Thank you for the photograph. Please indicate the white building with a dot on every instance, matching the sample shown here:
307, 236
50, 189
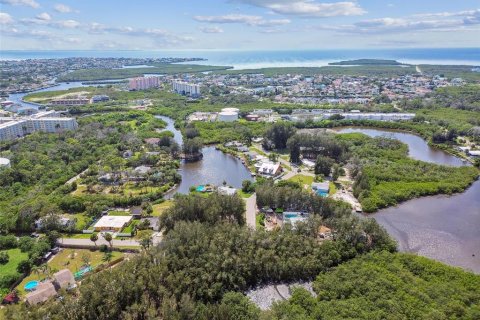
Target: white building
112, 223
11, 128
143, 83
4, 163
186, 89
227, 191
270, 169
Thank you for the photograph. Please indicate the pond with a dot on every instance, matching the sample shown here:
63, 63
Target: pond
215, 167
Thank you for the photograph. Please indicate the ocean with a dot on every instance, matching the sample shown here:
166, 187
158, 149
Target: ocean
243, 59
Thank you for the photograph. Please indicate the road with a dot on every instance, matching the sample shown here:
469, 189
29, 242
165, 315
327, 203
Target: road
156, 238
251, 207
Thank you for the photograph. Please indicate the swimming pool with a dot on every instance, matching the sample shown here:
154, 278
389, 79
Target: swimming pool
200, 189
31, 285
321, 193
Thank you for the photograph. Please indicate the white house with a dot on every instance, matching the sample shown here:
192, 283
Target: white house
270, 169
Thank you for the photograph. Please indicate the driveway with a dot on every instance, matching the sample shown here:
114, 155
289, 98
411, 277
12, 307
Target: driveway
251, 211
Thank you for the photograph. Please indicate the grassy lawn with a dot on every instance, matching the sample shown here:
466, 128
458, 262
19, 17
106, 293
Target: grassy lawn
333, 188
142, 233
302, 179
82, 220
15, 256
118, 213
77, 235
244, 194
130, 227
260, 152
69, 259
259, 218
159, 209
81, 190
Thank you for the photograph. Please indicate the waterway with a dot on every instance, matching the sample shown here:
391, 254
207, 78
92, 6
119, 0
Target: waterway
417, 147
444, 228
215, 167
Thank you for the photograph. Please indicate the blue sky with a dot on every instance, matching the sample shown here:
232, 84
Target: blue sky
238, 24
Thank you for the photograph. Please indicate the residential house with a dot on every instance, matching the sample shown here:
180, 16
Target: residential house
42, 293
270, 169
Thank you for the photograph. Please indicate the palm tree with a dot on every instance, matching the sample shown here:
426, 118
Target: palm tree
108, 237
94, 238
107, 256
36, 270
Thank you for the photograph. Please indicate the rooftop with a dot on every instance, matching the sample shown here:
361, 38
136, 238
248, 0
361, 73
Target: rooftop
114, 222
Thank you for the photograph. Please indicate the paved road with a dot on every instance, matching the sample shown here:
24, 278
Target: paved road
157, 238
251, 207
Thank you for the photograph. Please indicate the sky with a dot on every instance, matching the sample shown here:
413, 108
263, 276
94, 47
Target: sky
237, 24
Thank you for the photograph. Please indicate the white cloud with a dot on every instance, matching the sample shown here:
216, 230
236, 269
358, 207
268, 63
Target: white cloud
44, 16
212, 29
62, 8
425, 22
5, 18
309, 8
70, 24
242, 18
29, 3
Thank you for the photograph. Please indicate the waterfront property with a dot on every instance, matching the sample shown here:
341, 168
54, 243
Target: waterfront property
225, 190
269, 169
112, 223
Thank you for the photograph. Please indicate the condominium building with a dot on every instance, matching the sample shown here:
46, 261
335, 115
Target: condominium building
41, 122
80, 101
186, 89
143, 83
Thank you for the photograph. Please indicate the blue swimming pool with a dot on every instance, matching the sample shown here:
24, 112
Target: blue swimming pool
322, 193
200, 188
31, 285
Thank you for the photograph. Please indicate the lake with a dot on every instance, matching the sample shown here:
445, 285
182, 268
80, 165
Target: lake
215, 167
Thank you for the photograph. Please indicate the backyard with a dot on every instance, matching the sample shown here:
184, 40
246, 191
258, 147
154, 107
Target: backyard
72, 259
15, 257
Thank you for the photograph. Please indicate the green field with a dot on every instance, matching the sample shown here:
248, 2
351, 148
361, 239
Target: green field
302, 179
159, 209
16, 256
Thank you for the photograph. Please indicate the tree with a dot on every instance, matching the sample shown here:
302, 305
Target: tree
146, 240
278, 134
248, 186
4, 258
24, 266
108, 237
94, 238
323, 165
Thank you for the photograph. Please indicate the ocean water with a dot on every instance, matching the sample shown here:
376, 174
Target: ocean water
242, 59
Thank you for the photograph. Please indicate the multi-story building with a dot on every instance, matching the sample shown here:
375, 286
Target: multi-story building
12, 128
186, 89
80, 101
143, 83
